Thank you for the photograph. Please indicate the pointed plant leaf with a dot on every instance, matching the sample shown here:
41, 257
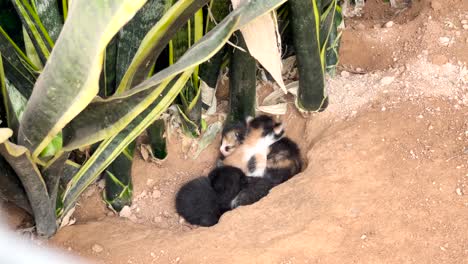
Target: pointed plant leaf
49, 14
70, 78
90, 126
20, 160
107, 84
11, 189
132, 34
31, 50
156, 40
52, 174
118, 177
18, 68
36, 30
110, 148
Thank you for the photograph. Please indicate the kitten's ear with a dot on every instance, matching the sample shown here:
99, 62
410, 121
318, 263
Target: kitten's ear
278, 128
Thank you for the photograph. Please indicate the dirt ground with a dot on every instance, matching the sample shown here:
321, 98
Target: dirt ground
387, 165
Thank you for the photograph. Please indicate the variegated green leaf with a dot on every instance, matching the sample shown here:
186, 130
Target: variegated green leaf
156, 40
110, 148
70, 78
36, 30
18, 68
132, 34
21, 161
89, 126
48, 13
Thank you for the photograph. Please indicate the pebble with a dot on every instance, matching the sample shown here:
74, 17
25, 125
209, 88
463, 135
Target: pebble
125, 212
387, 80
389, 24
464, 22
363, 237
345, 74
383, 108
157, 219
102, 184
465, 26
444, 41
459, 191
150, 182
97, 248
156, 194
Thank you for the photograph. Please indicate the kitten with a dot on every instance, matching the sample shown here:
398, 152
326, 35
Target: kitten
203, 200
283, 159
251, 155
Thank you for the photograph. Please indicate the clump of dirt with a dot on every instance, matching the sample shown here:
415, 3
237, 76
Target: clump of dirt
387, 176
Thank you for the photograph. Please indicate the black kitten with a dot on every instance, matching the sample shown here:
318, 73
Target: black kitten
254, 189
227, 182
203, 200
197, 202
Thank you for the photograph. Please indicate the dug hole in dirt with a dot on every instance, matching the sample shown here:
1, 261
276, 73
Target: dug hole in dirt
387, 165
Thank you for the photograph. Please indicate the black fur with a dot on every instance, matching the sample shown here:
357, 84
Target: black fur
285, 148
255, 189
265, 122
241, 127
197, 202
227, 182
252, 164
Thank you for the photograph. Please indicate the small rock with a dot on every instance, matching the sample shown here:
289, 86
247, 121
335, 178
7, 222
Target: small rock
465, 26
377, 26
150, 182
345, 74
445, 41
181, 220
97, 248
383, 108
389, 24
387, 80
464, 21
359, 69
110, 213
101, 184
177, 259
363, 237
152, 255
156, 194
459, 191
126, 212
157, 219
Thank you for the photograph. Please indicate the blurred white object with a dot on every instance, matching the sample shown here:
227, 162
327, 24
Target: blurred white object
17, 250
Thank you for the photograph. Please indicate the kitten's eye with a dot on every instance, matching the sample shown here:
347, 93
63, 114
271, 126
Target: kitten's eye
227, 148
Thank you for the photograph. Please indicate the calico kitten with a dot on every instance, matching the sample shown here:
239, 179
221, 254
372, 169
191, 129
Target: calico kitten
251, 155
283, 159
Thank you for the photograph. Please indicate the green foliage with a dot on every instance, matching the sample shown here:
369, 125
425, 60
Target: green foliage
315, 38
63, 112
